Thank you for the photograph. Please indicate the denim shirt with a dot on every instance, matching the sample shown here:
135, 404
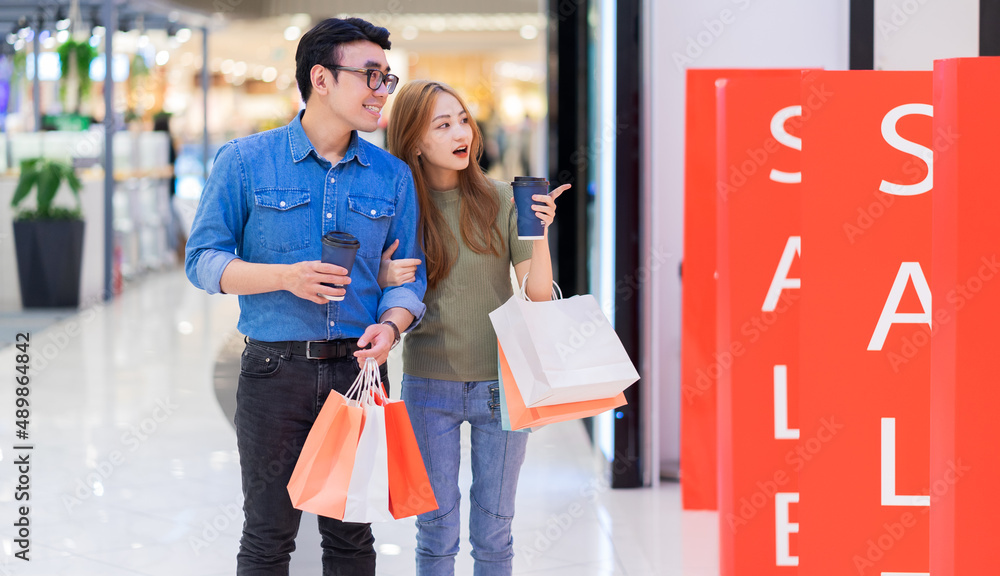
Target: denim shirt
270, 199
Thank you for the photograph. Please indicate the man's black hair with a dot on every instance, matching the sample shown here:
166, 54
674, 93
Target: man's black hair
321, 45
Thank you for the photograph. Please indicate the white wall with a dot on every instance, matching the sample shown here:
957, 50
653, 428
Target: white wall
911, 34
733, 34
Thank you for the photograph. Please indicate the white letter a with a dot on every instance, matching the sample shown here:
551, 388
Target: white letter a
907, 271
781, 280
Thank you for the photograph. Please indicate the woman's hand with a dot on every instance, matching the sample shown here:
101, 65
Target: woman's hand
546, 211
396, 272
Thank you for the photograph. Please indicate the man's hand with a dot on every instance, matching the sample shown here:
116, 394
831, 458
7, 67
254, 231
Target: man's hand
304, 280
381, 337
396, 272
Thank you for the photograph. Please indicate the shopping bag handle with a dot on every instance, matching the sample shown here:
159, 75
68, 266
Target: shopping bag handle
556, 290
368, 381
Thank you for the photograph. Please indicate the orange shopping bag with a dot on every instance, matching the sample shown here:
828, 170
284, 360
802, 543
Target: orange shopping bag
323, 471
410, 491
522, 417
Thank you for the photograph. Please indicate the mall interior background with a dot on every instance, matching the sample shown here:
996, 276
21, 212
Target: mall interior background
537, 77
619, 99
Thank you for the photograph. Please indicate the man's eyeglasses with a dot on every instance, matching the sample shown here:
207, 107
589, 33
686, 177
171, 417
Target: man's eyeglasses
375, 77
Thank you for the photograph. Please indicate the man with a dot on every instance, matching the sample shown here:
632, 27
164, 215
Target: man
269, 200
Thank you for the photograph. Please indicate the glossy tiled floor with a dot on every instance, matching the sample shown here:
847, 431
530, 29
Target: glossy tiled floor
134, 467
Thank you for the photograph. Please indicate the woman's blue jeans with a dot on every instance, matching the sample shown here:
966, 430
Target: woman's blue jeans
437, 409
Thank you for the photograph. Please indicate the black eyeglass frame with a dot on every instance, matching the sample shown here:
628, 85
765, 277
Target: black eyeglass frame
390, 80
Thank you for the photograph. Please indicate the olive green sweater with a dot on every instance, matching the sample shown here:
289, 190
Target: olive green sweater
455, 340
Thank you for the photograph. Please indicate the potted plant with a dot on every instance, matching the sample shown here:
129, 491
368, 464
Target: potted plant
75, 57
48, 239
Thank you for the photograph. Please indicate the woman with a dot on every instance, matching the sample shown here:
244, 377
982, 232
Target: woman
469, 235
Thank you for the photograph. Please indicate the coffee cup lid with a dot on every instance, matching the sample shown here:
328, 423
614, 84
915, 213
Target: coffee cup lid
528, 179
345, 239
533, 182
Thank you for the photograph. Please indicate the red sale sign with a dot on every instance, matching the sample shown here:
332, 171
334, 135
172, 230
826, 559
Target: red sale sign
965, 399
701, 363
865, 324
759, 245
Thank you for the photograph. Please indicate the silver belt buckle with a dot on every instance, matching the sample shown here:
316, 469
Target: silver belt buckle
309, 355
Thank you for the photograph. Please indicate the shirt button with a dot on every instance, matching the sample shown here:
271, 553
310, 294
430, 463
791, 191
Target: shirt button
282, 203
332, 323
332, 180
373, 212
329, 214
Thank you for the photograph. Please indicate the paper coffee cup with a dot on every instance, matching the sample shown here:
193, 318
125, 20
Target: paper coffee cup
339, 248
529, 225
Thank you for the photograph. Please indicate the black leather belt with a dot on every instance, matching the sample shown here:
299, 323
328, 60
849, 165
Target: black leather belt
314, 349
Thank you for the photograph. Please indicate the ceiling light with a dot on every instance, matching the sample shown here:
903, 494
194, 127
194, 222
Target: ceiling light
183, 35
529, 32
410, 33
292, 33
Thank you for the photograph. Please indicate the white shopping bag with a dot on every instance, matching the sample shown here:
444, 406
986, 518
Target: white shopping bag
368, 490
562, 351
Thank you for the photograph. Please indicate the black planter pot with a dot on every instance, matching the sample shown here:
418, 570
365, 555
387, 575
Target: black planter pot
49, 257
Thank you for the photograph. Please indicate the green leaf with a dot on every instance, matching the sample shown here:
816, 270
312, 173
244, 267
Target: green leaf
24, 185
74, 182
48, 185
85, 54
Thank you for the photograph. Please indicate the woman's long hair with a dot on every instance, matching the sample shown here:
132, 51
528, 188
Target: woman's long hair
411, 117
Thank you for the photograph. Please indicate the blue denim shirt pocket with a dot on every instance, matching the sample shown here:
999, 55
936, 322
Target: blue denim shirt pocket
284, 220
368, 219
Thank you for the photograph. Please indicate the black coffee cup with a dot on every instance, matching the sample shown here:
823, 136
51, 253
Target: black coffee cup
529, 225
339, 248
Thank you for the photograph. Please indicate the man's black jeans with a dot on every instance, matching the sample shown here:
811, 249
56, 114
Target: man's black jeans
279, 398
